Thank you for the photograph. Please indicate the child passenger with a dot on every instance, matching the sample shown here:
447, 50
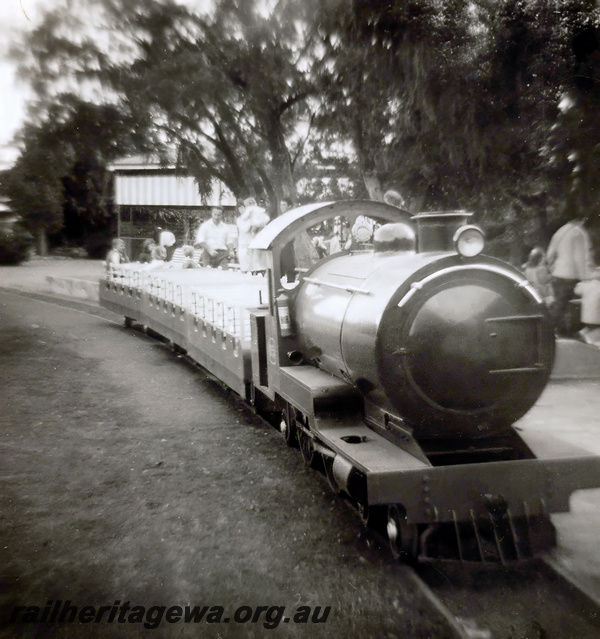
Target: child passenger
188, 255
537, 272
159, 256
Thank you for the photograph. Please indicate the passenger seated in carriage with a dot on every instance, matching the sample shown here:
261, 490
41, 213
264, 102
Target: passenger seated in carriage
188, 257
159, 257
145, 256
117, 254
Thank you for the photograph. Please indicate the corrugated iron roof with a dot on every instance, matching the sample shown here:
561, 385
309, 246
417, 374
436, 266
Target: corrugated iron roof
143, 181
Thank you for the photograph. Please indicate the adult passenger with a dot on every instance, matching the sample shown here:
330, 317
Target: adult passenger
252, 219
570, 260
117, 254
215, 239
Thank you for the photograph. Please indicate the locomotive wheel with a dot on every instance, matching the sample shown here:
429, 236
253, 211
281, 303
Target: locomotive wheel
373, 517
307, 448
331, 480
364, 512
403, 537
288, 427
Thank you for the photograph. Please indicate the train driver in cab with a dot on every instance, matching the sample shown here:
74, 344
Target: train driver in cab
396, 237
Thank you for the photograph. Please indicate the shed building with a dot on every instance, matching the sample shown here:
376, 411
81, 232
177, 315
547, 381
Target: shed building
150, 193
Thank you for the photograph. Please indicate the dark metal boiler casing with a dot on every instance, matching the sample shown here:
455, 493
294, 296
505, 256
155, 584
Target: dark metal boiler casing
451, 345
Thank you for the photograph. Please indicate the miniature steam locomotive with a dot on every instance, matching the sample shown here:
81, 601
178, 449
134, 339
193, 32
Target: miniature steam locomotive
401, 372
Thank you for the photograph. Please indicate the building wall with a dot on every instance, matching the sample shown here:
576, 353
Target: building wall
156, 189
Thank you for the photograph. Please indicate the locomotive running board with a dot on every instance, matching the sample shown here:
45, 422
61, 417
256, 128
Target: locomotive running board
310, 389
457, 492
514, 497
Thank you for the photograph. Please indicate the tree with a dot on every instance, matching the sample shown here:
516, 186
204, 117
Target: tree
34, 186
225, 89
388, 72
452, 103
60, 184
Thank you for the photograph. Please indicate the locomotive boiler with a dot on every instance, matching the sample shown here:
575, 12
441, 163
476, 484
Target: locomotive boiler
454, 345
398, 369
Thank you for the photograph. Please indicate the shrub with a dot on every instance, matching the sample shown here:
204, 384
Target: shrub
98, 243
15, 243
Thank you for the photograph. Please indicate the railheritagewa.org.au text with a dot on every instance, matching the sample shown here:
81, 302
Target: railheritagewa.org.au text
65, 612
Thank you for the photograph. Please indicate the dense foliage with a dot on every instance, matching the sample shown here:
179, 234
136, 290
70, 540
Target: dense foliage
481, 104
15, 243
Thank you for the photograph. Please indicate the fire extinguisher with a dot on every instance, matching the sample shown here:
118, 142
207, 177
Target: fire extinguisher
283, 311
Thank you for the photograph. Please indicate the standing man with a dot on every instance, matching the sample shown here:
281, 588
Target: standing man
252, 219
570, 260
215, 239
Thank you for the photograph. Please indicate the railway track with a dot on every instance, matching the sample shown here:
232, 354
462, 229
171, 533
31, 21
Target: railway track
529, 601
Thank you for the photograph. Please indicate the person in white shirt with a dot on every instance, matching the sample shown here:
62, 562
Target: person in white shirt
253, 218
590, 308
570, 261
167, 241
215, 239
